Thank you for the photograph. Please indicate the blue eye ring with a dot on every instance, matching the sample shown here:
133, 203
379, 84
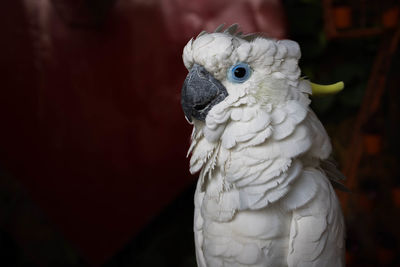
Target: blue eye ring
239, 73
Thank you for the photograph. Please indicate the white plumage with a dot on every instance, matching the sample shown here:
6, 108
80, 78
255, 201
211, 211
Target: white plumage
262, 198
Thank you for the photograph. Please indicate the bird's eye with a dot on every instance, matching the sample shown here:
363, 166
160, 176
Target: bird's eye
239, 73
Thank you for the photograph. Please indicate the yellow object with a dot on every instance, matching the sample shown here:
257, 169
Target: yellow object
318, 89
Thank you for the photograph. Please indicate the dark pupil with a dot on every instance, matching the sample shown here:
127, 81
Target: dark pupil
240, 72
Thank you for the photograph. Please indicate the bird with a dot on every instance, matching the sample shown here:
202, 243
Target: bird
264, 195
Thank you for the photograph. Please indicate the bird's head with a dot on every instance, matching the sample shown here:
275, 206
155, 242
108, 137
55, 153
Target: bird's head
232, 76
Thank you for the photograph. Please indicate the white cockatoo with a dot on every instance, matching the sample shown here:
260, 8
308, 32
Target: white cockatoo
263, 196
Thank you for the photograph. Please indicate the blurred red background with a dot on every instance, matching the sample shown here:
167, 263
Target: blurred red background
90, 107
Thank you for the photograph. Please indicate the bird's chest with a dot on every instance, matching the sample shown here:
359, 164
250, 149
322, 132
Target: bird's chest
254, 238
233, 232
266, 224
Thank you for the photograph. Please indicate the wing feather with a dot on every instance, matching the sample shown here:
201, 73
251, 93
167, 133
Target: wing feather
317, 231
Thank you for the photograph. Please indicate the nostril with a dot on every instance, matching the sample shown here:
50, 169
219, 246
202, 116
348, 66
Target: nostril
202, 72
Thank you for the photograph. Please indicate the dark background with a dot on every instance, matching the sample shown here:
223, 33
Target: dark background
93, 167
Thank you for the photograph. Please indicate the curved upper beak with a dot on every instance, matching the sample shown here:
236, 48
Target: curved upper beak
200, 92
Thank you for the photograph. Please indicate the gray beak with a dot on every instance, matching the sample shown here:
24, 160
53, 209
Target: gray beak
200, 92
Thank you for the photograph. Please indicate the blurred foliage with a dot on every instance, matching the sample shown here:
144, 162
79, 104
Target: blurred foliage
328, 61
